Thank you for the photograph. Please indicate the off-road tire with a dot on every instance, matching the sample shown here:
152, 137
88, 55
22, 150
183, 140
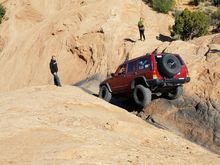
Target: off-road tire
174, 94
105, 94
169, 65
142, 95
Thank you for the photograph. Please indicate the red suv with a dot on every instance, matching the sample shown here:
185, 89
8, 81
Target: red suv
159, 74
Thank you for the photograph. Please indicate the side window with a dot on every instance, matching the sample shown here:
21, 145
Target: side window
122, 70
143, 64
131, 67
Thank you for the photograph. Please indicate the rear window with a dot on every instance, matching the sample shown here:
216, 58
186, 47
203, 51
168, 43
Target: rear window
143, 64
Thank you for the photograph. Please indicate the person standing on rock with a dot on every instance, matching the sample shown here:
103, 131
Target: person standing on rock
141, 28
54, 71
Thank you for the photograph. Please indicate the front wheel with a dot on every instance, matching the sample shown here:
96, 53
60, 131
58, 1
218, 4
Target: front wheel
142, 95
174, 94
105, 94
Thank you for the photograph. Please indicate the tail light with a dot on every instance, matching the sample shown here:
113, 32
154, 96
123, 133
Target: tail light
187, 73
155, 76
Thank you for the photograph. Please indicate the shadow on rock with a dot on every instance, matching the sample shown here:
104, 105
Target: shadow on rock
126, 103
129, 104
164, 38
129, 40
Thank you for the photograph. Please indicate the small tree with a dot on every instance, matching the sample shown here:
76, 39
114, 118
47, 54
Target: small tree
215, 20
216, 2
2, 12
163, 6
196, 2
190, 24
147, 1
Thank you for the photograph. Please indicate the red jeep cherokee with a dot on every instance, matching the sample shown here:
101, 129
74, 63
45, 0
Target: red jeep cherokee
160, 74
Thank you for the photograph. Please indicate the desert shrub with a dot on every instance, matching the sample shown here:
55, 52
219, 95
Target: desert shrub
163, 6
215, 20
196, 2
176, 12
216, 2
2, 12
190, 24
147, 1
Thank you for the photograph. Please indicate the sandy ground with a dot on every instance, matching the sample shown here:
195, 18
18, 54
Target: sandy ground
49, 125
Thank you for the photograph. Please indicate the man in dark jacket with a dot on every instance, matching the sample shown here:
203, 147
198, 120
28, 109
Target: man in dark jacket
54, 71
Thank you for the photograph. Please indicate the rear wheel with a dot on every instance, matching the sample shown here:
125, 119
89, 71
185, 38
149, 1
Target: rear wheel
174, 94
105, 94
142, 95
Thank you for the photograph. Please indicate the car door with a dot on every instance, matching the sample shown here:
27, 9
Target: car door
118, 81
130, 75
123, 80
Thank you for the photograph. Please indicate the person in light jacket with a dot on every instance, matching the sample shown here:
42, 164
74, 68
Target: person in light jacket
141, 28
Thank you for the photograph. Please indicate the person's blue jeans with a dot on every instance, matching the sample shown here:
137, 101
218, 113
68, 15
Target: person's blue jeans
142, 35
56, 80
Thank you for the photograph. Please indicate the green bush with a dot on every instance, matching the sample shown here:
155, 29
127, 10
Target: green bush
163, 6
215, 20
190, 24
216, 2
147, 1
196, 2
2, 12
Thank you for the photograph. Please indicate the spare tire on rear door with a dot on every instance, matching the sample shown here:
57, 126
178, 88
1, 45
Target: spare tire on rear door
169, 65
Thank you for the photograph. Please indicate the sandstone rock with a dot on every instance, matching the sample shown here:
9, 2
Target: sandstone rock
49, 125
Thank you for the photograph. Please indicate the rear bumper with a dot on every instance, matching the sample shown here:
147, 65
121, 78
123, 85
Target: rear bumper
168, 82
